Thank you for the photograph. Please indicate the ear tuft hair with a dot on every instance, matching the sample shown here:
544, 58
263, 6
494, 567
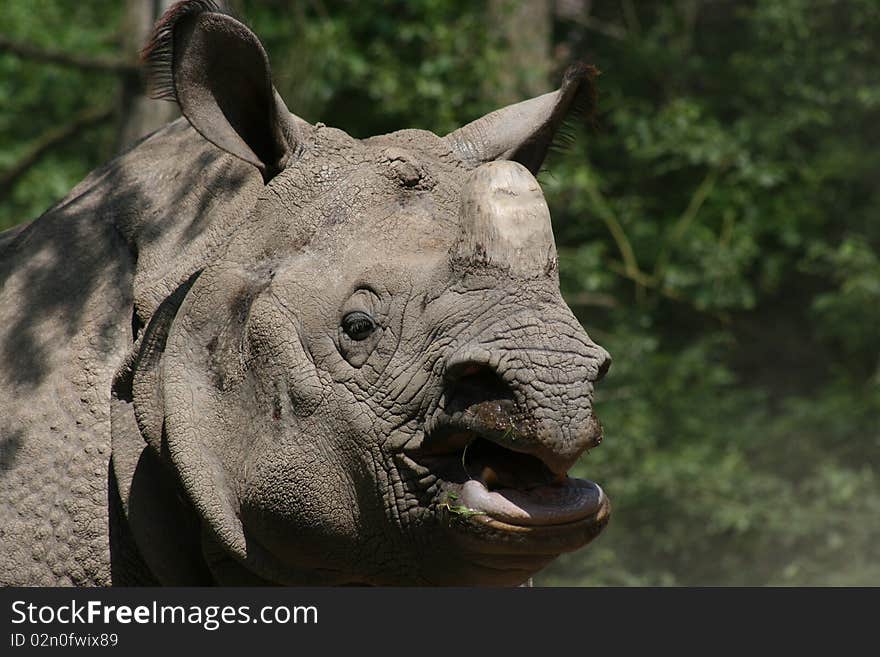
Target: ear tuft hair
157, 57
575, 104
583, 76
525, 131
582, 110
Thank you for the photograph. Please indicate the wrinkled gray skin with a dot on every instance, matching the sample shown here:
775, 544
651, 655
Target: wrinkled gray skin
181, 311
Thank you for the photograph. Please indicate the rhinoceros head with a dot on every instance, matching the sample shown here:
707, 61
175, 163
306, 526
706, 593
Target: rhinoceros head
376, 380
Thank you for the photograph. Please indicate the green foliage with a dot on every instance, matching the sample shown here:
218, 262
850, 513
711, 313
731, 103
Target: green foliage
718, 232
36, 97
733, 189
385, 66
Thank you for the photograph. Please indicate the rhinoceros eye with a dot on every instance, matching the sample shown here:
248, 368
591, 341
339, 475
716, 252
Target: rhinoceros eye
358, 325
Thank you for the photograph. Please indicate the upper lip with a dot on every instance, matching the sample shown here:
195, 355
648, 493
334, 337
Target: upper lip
497, 420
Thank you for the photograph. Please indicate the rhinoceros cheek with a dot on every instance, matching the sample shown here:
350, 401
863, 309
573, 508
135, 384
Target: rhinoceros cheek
296, 502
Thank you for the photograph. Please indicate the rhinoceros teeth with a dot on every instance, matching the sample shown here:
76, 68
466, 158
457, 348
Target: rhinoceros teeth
489, 477
499, 467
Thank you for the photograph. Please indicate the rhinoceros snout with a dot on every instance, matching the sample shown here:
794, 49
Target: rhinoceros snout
536, 401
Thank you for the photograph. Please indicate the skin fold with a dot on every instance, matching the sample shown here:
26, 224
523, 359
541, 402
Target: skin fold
252, 350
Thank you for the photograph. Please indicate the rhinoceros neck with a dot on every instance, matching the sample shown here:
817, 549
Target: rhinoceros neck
69, 281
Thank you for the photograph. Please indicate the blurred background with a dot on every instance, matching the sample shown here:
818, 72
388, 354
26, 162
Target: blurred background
718, 225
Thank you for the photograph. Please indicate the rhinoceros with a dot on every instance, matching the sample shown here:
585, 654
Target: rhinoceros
253, 350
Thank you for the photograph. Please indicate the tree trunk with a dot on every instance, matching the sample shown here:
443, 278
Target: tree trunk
525, 27
140, 115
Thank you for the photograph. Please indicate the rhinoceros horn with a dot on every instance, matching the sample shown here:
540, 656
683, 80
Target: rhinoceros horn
505, 222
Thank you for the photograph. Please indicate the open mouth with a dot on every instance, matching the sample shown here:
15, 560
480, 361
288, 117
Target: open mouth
483, 479
497, 489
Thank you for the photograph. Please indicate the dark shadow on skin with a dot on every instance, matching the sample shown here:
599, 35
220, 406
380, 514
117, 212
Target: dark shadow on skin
233, 179
10, 444
156, 503
127, 565
65, 255
78, 246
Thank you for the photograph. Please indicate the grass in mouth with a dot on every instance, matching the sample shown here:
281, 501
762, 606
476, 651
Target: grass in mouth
459, 510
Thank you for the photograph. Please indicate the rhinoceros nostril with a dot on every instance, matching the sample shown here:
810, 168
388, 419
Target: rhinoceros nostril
470, 383
594, 432
604, 366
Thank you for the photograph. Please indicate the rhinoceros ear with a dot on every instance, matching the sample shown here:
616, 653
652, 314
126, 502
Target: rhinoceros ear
524, 132
216, 69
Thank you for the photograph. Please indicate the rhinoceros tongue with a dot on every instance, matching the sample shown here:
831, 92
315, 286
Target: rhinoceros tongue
552, 504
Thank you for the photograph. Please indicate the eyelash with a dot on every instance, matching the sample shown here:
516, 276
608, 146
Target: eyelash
358, 325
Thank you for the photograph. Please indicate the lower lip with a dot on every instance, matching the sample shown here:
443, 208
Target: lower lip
483, 537
544, 506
